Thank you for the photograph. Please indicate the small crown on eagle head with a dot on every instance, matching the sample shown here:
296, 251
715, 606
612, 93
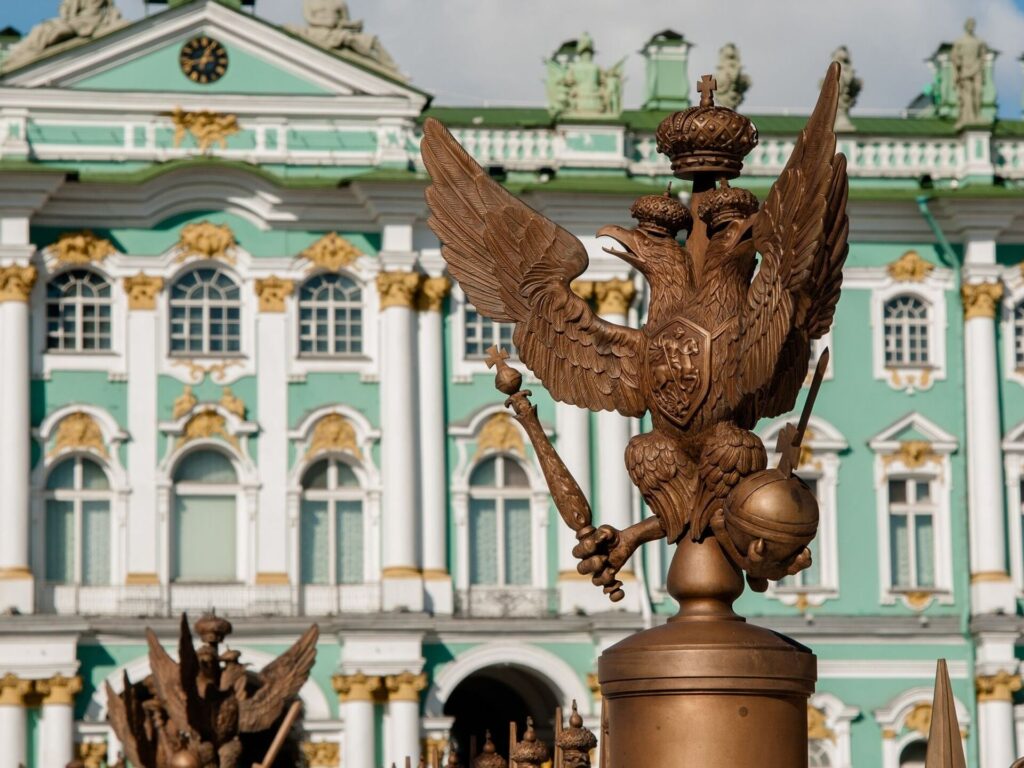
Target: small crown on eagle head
212, 628
706, 138
662, 214
725, 204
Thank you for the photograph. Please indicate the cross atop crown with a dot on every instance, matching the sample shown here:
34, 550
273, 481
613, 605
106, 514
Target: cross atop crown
707, 87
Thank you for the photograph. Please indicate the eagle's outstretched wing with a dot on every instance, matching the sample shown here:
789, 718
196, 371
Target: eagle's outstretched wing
515, 265
176, 682
128, 720
281, 680
801, 234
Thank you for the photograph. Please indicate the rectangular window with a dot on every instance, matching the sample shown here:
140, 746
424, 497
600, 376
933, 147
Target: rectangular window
483, 542
482, 334
911, 533
203, 539
314, 543
350, 541
60, 541
518, 566
95, 543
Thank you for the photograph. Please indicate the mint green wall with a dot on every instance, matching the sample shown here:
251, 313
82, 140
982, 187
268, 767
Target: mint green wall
160, 71
207, 391
105, 135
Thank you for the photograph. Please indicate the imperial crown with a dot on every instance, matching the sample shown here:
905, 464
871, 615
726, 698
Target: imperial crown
725, 204
662, 214
706, 138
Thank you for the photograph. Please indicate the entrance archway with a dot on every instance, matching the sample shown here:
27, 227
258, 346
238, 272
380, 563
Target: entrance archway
491, 698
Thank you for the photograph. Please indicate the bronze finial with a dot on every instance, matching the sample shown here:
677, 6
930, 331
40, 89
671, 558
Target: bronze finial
945, 748
707, 85
489, 757
575, 742
530, 750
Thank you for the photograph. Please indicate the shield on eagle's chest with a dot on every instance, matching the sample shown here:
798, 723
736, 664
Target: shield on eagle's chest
678, 369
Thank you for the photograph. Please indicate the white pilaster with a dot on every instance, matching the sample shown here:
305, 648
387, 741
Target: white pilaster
13, 735
437, 581
992, 590
401, 574
356, 701
404, 717
57, 721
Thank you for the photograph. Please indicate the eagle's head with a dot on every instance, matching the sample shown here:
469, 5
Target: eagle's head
644, 249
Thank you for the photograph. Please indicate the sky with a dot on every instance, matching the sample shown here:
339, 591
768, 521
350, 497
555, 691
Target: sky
474, 52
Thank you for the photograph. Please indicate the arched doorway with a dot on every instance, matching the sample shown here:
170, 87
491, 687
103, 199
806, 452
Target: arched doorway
491, 698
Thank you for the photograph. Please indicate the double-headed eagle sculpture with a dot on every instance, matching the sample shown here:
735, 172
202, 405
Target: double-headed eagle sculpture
727, 341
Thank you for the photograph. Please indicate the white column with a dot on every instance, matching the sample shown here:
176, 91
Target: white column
13, 724
144, 554
271, 568
404, 717
56, 725
991, 588
437, 582
401, 576
356, 696
16, 582
996, 682
572, 440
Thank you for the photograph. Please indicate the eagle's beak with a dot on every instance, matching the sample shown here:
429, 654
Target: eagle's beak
627, 239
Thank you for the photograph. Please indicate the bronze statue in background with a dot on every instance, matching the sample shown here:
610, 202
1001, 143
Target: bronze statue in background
206, 710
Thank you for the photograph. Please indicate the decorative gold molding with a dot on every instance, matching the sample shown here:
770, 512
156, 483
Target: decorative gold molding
583, 288
141, 580
914, 454
998, 687
918, 600
183, 403
206, 240
357, 687
82, 247
272, 292
13, 690
217, 371
614, 296
981, 299
401, 572
58, 690
331, 252
206, 126
142, 290
15, 573
93, 754
334, 432
321, 754
232, 403
909, 268
594, 685
405, 686
432, 294
79, 431
817, 725
272, 579
990, 576
436, 574
500, 433
888, 733
16, 282
207, 424
919, 719
398, 289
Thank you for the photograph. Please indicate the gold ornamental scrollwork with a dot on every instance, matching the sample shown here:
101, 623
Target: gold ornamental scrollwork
231, 403
333, 433
207, 240
909, 268
16, 282
817, 725
205, 425
79, 431
14, 689
919, 719
357, 687
198, 372
207, 127
405, 686
58, 690
981, 299
913, 454
500, 434
998, 687
142, 290
614, 297
398, 289
82, 247
331, 252
272, 292
321, 754
432, 294
183, 403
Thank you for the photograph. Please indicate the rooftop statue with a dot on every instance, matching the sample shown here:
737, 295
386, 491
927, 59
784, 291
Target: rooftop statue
206, 710
329, 25
849, 88
722, 348
733, 81
968, 57
576, 85
78, 20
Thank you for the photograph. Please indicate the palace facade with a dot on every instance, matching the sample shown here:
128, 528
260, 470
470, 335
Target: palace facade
234, 375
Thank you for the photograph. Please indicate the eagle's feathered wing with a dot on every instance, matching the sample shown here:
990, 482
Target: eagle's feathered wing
515, 265
280, 681
129, 721
801, 235
176, 683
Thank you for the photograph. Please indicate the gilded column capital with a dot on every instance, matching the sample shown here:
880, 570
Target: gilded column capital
405, 686
13, 690
398, 289
357, 687
16, 282
322, 754
614, 296
981, 299
594, 685
432, 294
998, 687
93, 754
583, 288
272, 291
142, 290
59, 690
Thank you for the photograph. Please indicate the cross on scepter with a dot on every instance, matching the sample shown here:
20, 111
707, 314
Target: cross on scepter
707, 85
507, 379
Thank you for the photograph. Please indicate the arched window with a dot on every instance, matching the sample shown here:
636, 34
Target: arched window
912, 511
913, 755
78, 309
206, 308
331, 543
330, 316
78, 523
818, 755
499, 523
1018, 336
906, 332
482, 334
203, 527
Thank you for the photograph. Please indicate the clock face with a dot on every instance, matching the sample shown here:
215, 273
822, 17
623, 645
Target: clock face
203, 60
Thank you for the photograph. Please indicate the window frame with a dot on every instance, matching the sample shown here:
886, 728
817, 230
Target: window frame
912, 510
500, 494
902, 329
465, 367
205, 305
1013, 296
77, 274
78, 495
333, 494
333, 308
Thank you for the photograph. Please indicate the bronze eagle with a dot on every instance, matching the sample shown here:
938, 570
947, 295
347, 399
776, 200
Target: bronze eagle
727, 339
